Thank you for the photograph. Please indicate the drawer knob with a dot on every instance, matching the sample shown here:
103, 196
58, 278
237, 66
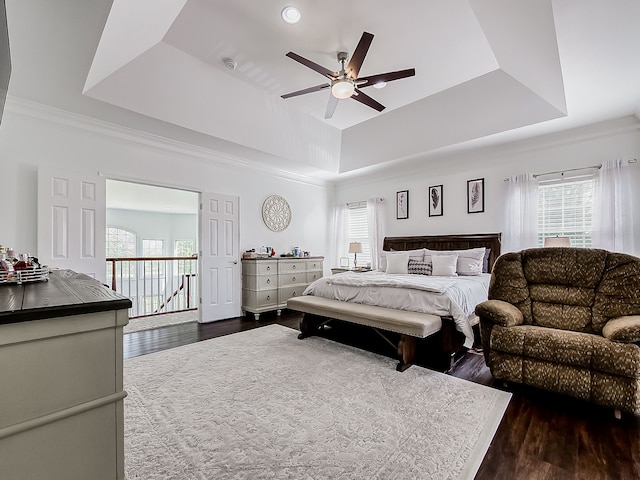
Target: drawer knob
294, 294
294, 267
268, 280
294, 279
268, 267
268, 297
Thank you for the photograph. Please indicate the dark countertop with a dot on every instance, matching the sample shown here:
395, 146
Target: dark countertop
65, 293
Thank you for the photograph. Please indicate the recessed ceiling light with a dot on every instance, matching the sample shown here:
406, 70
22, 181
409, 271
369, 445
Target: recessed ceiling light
380, 85
291, 14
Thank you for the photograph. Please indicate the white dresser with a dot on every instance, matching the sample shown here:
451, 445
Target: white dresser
267, 283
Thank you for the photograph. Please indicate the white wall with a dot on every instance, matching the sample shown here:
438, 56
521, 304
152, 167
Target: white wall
48, 137
573, 149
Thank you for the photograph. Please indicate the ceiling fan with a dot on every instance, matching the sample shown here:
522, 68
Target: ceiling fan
346, 83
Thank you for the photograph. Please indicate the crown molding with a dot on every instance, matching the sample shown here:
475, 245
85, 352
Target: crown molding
402, 168
89, 124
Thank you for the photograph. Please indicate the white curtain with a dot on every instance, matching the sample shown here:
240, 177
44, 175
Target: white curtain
340, 230
521, 213
612, 211
375, 217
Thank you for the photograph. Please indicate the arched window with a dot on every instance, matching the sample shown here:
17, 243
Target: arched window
121, 243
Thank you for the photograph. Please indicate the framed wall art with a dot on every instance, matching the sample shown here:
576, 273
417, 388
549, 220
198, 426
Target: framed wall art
435, 201
475, 195
402, 204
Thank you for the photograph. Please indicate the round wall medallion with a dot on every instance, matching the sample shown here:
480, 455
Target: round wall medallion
276, 213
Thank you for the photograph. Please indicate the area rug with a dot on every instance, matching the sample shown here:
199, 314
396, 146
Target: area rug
262, 404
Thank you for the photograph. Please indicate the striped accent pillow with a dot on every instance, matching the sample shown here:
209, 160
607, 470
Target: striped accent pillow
419, 268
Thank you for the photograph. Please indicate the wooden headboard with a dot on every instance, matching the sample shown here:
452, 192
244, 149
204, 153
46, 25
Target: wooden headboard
448, 242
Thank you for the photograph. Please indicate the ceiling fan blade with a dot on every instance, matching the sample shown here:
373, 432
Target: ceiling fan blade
353, 67
331, 106
385, 77
368, 101
312, 65
317, 88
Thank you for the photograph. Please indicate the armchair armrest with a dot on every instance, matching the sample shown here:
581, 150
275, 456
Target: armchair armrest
500, 313
623, 329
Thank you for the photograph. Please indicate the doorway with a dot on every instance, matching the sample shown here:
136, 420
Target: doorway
151, 250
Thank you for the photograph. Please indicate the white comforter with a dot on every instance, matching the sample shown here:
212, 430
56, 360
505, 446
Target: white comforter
443, 296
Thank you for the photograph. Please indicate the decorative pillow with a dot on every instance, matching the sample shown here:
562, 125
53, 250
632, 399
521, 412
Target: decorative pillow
397, 262
417, 255
444, 265
485, 261
419, 268
469, 261
468, 266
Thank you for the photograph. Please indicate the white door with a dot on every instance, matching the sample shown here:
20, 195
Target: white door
219, 266
71, 221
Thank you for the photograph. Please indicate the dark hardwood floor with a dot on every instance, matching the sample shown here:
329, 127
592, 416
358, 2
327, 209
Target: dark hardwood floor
542, 435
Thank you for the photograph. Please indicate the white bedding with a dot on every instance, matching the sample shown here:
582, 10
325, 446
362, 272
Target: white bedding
443, 296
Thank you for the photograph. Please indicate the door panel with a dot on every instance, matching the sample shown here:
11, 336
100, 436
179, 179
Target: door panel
71, 221
219, 267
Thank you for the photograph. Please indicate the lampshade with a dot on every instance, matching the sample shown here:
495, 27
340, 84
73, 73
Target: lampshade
355, 247
342, 88
557, 242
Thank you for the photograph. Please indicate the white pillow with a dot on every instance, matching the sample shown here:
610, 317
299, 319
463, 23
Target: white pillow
469, 261
444, 265
417, 255
398, 262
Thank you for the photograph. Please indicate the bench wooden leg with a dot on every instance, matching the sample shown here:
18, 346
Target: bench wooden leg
310, 324
406, 351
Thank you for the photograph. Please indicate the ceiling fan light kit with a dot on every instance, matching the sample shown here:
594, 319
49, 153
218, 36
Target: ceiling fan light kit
342, 88
346, 83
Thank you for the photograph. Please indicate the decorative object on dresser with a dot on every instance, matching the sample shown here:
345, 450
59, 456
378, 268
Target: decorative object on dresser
355, 248
267, 283
276, 213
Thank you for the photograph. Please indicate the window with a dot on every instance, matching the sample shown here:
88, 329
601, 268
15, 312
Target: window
565, 209
359, 231
153, 248
185, 248
120, 244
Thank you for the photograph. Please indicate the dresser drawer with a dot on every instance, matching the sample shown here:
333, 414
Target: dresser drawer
264, 267
292, 266
314, 265
259, 298
260, 282
287, 279
313, 276
286, 293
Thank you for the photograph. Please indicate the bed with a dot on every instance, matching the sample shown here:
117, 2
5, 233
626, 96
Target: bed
408, 311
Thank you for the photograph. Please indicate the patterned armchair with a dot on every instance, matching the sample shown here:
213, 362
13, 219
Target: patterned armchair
566, 320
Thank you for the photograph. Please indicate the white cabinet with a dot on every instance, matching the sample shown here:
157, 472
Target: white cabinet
267, 283
61, 407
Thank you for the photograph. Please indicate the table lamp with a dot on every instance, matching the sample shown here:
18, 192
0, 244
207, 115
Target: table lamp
557, 241
355, 248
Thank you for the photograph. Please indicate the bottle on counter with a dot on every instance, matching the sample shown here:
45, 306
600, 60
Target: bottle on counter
6, 267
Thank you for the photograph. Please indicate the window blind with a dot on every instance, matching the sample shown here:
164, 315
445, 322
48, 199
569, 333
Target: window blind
565, 209
359, 232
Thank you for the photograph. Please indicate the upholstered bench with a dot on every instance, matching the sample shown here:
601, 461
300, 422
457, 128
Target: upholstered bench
410, 325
